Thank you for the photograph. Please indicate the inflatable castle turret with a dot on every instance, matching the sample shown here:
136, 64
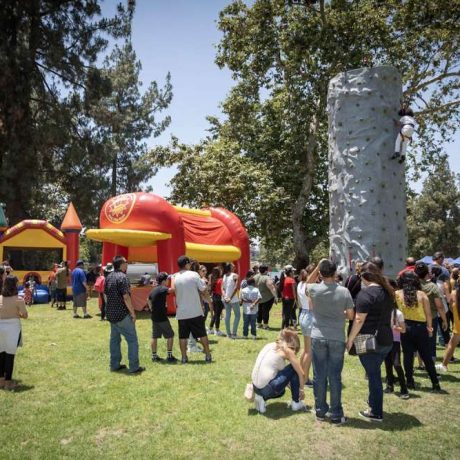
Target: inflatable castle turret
3, 221
71, 227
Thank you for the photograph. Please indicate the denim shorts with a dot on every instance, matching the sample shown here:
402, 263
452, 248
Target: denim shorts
306, 322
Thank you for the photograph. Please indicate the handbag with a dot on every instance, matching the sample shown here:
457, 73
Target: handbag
367, 343
249, 392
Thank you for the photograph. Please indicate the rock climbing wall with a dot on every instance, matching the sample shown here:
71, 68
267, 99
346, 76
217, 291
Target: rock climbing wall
366, 187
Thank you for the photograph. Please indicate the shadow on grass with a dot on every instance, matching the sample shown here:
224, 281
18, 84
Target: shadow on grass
21, 388
448, 378
277, 410
396, 421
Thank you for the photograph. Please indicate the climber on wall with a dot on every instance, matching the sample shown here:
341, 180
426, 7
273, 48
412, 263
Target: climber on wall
406, 126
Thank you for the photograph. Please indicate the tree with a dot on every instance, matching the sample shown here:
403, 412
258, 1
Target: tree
213, 174
48, 55
126, 118
282, 56
434, 215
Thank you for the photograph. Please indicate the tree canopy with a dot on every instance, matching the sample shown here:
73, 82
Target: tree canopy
72, 124
282, 56
434, 215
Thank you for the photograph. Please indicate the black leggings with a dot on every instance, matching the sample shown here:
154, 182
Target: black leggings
416, 339
263, 315
218, 307
6, 365
393, 359
288, 313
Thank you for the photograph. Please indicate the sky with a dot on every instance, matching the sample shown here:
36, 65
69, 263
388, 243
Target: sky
180, 37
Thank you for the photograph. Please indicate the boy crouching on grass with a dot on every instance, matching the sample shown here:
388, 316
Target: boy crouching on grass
161, 326
250, 297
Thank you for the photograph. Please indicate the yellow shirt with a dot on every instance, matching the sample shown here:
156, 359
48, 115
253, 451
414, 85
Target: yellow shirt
415, 313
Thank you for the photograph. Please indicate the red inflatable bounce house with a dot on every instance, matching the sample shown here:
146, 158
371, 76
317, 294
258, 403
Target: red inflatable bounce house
144, 227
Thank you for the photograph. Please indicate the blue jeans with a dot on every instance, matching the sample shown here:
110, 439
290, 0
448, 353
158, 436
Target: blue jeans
235, 306
249, 320
328, 356
127, 329
277, 386
372, 363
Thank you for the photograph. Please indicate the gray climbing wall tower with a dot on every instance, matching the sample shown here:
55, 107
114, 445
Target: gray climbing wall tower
366, 188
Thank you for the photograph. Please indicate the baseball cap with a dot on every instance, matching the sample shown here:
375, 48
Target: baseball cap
79, 262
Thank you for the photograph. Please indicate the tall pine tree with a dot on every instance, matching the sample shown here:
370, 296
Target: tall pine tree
434, 215
48, 55
126, 118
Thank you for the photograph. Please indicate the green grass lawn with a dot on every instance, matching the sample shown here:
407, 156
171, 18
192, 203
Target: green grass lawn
71, 406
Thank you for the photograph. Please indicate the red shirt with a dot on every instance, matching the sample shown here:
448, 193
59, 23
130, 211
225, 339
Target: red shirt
218, 287
288, 288
409, 268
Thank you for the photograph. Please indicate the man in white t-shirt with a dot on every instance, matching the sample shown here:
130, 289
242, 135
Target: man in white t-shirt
187, 286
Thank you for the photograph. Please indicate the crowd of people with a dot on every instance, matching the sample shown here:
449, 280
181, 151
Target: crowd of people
391, 322
386, 317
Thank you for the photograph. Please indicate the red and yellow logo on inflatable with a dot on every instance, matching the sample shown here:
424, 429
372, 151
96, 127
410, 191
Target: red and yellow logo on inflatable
119, 208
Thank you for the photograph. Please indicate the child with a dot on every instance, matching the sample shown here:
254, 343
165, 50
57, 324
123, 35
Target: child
28, 298
160, 322
394, 357
250, 297
406, 130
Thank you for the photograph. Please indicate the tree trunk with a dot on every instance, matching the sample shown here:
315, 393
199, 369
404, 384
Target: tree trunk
113, 189
300, 238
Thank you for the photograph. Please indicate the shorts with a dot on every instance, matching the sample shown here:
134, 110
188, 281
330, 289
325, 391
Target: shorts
306, 322
162, 329
79, 300
194, 326
61, 294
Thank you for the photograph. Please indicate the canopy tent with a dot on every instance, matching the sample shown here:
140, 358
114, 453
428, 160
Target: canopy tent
426, 259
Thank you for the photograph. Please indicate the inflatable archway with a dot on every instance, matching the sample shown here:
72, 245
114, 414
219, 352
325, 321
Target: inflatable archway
144, 227
32, 246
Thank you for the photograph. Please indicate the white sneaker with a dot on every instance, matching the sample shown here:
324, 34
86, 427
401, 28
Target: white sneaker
209, 331
441, 368
194, 349
254, 337
295, 406
219, 333
261, 407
